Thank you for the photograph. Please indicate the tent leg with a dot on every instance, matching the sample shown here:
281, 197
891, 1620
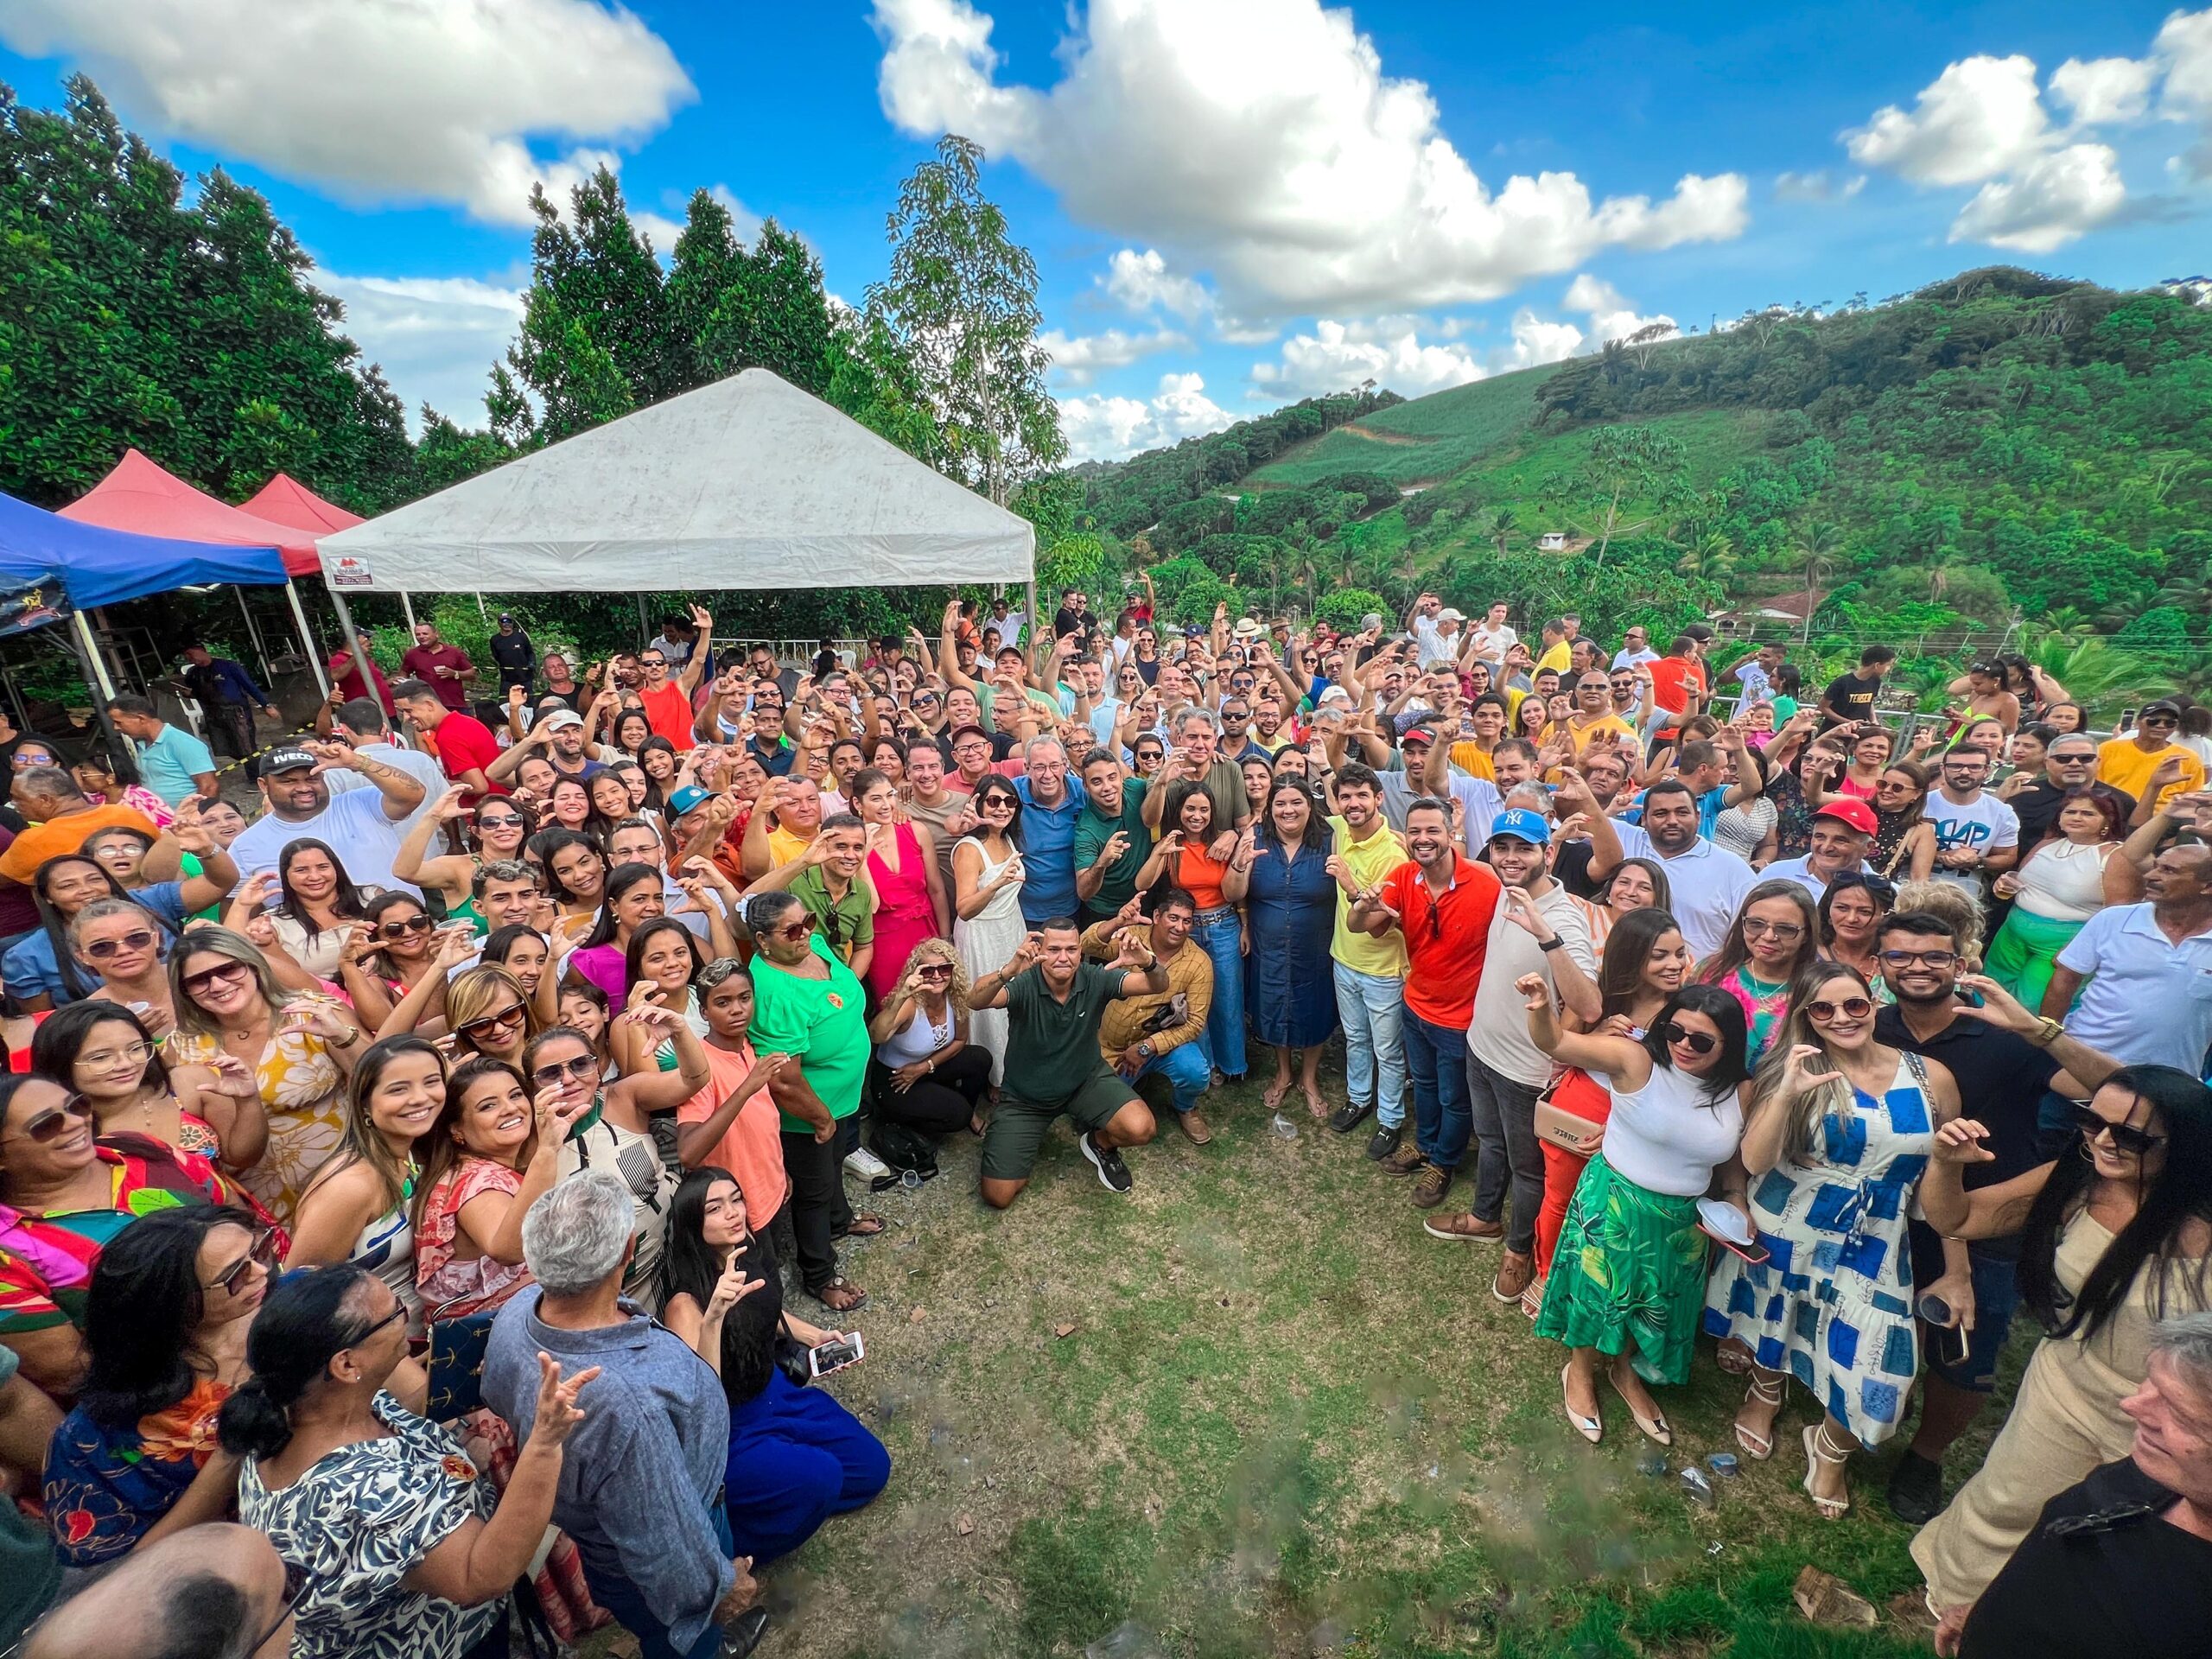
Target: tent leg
307, 637
406, 604
253, 633
96, 675
354, 641
480, 612
1036, 629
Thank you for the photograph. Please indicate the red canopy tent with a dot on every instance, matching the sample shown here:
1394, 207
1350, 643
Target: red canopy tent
145, 497
284, 500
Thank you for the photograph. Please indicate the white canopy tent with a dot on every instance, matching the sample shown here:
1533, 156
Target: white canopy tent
748, 484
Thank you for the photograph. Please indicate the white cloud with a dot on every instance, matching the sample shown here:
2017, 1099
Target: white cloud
1821, 186
1101, 428
1260, 141
1610, 316
2184, 52
436, 337
2047, 203
1338, 356
377, 101
1141, 281
1079, 359
2104, 90
1536, 341
1981, 117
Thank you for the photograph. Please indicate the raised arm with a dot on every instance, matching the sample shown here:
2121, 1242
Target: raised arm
1622, 1063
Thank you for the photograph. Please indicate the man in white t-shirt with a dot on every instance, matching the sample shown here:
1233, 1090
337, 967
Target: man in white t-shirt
361, 825
1636, 650
1707, 882
1537, 929
1976, 834
1492, 638
359, 723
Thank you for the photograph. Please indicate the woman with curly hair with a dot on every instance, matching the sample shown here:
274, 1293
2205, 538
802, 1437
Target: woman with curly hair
925, 1074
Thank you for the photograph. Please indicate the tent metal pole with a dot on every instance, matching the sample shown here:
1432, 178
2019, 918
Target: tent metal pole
353, 640
406, 604
253, 633
307, 637
95, 666
481, 612
1035, 633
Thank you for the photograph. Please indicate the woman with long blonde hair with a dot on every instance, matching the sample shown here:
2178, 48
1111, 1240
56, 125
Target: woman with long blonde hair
925, 1074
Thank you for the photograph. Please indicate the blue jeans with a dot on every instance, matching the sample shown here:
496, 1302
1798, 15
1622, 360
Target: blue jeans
1443, 1111
1373, 1009
1184, 1066
638, 1616
1220, 933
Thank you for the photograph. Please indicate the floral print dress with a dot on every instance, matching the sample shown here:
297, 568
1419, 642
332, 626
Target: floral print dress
305, 1094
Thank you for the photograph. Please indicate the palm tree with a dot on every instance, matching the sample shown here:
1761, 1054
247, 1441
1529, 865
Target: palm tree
2192, 594
1818, 547
2092, 671
1501, 526
1710, 555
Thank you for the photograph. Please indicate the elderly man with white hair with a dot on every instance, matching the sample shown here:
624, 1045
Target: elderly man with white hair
641, 1486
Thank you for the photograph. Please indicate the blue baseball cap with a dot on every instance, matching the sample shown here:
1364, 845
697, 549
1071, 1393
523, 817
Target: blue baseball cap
691, 798
1524, 825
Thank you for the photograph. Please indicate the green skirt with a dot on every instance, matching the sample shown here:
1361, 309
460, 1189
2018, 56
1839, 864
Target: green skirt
2025, 951
1629, 1276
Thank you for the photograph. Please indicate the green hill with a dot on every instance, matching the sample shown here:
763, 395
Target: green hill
1420, 441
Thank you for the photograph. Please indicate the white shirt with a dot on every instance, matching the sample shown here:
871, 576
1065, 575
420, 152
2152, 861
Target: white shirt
354, 827
1800, 870
1009, 627
1984, 824
1438, 648
1498, 1035
415, 764
2148, 1001
1478, 797
1491, 644
1757, 688
1664, 1138
1707, 883
1627, 659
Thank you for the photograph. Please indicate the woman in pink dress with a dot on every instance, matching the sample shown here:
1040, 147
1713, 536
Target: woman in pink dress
909, 890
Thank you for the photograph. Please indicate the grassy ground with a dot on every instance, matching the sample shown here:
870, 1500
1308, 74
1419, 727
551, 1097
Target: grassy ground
1416, 443
1252, 1410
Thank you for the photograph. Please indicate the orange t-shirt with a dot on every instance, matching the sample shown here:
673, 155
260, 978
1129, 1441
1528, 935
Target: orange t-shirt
752, 1148
1200, 876
668, 711
1673, 678
65, 835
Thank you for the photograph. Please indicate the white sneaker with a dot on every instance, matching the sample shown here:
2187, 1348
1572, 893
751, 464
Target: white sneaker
865, 1165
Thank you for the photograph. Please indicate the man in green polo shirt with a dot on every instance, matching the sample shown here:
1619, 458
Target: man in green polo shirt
1111, 843
828, 879
1054, 1000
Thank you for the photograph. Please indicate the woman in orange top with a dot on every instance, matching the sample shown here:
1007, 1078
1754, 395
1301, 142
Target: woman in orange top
1183, 857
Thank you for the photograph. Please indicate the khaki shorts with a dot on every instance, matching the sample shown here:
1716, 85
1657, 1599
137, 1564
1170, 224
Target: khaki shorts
1018, 1126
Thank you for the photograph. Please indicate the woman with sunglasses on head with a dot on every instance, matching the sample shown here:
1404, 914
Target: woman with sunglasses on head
1839, 1131
500, 829
1775, 934
613, 1121
1637, 977
64, 1197
165, 1326
1850, 912
796, 1456
926, 1073
403, 1553
300, 1046
2115, 1235
494, 1150
1627, 1281
106, 1053
988, 928
2070, 877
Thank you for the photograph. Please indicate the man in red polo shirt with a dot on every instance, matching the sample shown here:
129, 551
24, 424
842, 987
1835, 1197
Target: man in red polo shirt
445, 669
668, 701
1442, 902
463, 744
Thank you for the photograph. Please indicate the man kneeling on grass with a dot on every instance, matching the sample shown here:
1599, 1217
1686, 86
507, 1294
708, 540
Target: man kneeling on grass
1052, 1061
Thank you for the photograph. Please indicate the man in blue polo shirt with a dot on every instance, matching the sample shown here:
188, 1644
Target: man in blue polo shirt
1050, 811
172, 762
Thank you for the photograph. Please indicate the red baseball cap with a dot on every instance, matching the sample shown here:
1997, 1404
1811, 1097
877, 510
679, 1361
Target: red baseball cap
1850, 811
1416, 735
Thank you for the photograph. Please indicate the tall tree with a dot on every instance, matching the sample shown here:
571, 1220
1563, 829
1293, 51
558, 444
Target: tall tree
961, 299
774, 314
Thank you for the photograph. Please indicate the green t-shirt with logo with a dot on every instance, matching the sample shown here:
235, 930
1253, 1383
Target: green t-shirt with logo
820, 1023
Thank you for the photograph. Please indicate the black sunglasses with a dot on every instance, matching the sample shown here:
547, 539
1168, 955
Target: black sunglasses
261, 1251
1698, 1042
584, 1065
510, 1015
401, 930
2132, 1141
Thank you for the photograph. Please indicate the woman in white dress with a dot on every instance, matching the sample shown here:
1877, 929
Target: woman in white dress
988, 928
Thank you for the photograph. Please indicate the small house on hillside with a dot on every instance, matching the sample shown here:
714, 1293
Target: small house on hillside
1552, 541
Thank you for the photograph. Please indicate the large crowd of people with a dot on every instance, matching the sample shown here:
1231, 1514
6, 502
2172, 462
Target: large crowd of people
414, 1167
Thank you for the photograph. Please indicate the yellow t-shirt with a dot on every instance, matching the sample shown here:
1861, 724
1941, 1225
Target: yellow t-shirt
1559, 729
1473, 760
2123, 765
1560, 656
786, 847
1369, 862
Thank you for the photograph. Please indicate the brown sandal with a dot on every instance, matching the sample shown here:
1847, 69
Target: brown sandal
865, 1225
842, 1296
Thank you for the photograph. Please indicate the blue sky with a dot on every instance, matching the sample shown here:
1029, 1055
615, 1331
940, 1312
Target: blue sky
1233, 203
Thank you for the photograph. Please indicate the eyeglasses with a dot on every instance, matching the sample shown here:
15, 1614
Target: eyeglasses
584, 1066
397, 1313
1851, 1007
2132, 1141
401, 930
101, 949
510, 1015
1782, 931
229, 974
51, 1125
1698, 1042
129, 1054
1930, 958
261, 1253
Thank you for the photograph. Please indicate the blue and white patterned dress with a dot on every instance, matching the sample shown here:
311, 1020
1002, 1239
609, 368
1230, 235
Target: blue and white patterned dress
1832, 1306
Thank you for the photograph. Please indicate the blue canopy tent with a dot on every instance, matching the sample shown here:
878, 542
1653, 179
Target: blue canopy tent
52, 567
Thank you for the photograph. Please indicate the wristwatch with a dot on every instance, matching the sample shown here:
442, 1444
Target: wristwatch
1554, 942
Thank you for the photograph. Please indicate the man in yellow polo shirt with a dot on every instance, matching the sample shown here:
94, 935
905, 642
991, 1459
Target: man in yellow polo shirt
1593, 717
2128, 761
1371, 972
1557, 653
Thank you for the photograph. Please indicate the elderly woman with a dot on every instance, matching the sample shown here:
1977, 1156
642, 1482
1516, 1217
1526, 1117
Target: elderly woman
925, 1075
807, 1004
392, 1527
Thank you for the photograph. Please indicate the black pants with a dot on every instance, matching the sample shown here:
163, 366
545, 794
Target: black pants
817, 1204
230, 728
942, 1103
